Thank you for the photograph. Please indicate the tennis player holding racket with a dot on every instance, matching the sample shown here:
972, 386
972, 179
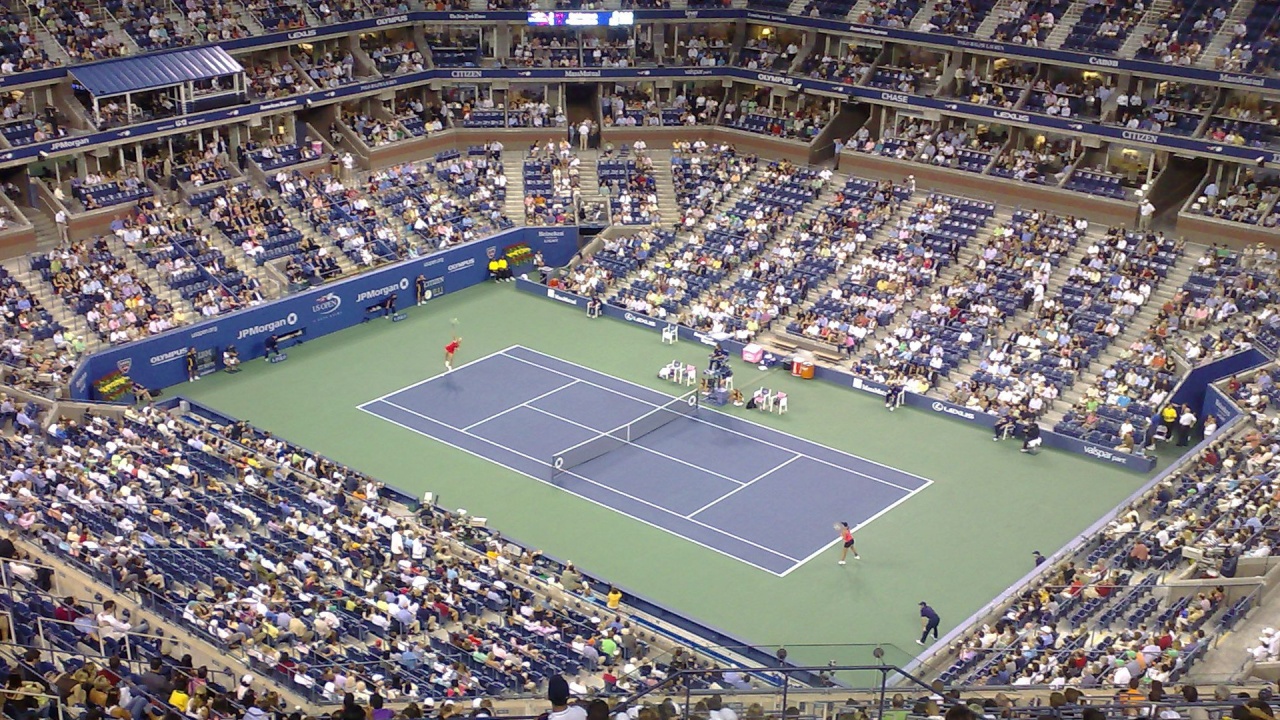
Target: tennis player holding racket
846, 537
452, 347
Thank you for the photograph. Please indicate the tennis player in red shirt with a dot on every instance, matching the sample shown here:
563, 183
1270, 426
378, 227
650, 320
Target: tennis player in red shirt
449, 350
846, 537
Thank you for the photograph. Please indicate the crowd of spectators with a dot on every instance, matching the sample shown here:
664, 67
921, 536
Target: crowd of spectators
1028, 23
1250, 199
626, 177
21, 51
80, 29
149, 24
552, 183
765, 53
349, 594
278, 15
852, 66
395, 57
270, 79
170, 243
703, 51
1003, 87
703, 175
327, 70
95, 283
803, 123
1046, 163
618, 257
214, 21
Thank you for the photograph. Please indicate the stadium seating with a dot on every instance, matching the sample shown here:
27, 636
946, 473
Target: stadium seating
631, 187
923, 240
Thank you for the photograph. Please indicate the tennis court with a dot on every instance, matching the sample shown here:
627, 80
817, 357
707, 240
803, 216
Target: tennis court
759, 495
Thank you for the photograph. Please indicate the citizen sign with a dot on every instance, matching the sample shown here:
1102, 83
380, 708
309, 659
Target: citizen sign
1140, 137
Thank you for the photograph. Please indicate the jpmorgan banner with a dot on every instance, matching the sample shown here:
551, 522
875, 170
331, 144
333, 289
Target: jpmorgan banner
157, 362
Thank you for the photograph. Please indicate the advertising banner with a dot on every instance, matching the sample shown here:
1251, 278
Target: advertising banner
161, 361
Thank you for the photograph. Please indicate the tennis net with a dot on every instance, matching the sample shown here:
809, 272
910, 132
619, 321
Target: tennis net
682, 407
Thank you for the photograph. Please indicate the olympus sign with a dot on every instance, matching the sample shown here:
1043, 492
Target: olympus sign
274, 325
1140, 137
168, 357
947, 409
775, 79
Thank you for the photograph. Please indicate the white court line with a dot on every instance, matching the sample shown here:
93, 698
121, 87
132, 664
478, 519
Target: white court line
411, 386
745, 484
544, 481
695, 418
642, 501
860, 525
735, 481
467, 429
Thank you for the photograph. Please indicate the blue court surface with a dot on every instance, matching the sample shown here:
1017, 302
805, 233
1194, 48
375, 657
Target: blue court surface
758, 495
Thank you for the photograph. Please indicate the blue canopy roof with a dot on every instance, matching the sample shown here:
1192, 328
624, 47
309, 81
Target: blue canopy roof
148, 72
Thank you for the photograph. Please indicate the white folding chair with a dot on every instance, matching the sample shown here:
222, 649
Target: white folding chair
670, 334
670, 370
690, 375
782, 403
